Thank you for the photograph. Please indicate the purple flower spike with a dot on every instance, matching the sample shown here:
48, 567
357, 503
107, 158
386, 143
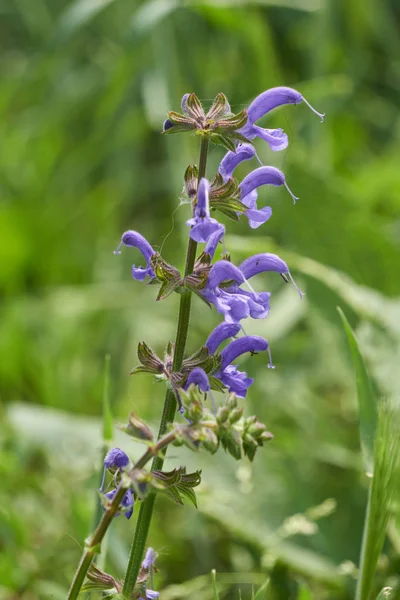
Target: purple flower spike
232, 159
149, 559
203, 226
116, 459
220, 334
214, 240
223, 270
134, 239
127, 502
198, 377
248, 343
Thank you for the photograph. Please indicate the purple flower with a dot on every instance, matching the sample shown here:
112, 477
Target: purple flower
266, 102
127, 502
152, 595
199, 378
235, 380
202, 225
116, 459
260, 263
232, 159
149, 559
221, 333
135, 240
256, 216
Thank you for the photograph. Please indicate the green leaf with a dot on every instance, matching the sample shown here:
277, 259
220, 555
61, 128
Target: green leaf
366, 398
261, 592
385, 482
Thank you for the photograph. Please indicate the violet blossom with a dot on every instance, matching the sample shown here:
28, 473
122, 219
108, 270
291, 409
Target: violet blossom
127, 502
263, 104
134, 239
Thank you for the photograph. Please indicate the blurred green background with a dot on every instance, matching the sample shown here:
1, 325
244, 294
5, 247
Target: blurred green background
84, 89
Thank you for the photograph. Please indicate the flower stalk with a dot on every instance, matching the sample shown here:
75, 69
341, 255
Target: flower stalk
93, 544
146, 508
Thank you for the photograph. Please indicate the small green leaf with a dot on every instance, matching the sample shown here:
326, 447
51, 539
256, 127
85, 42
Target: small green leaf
366, 398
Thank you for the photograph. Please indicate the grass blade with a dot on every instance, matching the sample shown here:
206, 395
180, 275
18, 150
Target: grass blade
382, 488
366, 398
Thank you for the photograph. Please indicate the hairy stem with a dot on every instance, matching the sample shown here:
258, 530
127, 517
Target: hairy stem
146, 509
92, 545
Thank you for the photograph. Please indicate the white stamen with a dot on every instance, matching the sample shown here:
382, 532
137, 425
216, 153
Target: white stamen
247, 282
270, 365
242, 328
118, 251
301, 294
321, 115
258, 158
294, 198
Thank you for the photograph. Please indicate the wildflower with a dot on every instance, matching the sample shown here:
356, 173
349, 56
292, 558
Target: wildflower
126, 502
237, 381
116, 459
260, 263
265, 102
136, 240
203, 226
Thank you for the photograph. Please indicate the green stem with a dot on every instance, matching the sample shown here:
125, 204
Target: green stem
92, 545
146, 508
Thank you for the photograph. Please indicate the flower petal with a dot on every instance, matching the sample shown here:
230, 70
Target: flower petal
232, 159
259, 177
248, 343
220, 334
259, 263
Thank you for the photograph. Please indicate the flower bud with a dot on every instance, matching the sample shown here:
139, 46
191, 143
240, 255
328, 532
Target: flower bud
235, 415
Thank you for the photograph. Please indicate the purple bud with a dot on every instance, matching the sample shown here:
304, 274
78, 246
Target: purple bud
223, 270
149, 559
167, 125
202, 208
152, 595
184, 103
248, 343
198, 377
116, 459
232, 159
220, 334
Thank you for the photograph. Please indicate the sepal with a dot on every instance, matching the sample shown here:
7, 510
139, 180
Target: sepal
177, 483
99, 581
220, 107
137, 428
191, 181
150, 362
